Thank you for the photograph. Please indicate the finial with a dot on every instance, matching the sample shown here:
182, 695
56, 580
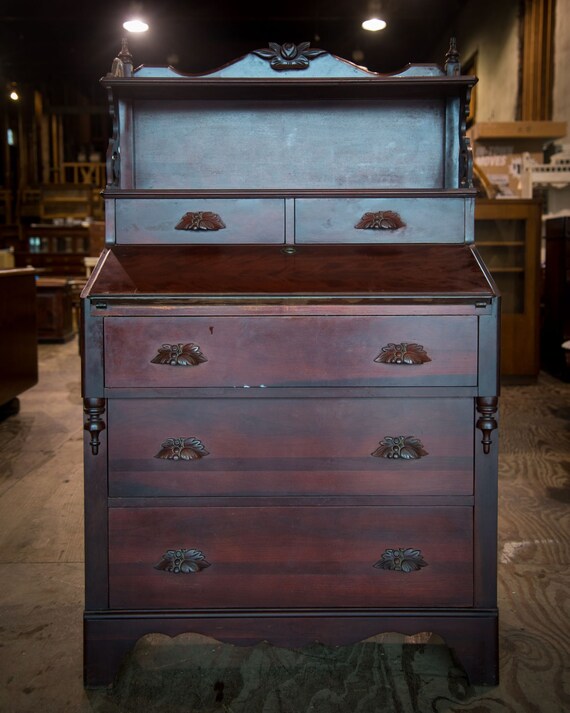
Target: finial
126, 57
123, 62
452, 66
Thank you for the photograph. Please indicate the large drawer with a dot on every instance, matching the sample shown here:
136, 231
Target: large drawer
209, 557
380, 220
286, 446
291, 351
200, 221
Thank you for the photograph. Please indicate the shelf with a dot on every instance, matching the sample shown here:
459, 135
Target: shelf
518, 130
500, 243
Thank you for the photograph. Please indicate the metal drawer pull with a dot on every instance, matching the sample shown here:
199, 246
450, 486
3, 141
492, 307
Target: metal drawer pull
401, 560
182, 561
179, 355
182, 449
403, 353
402, 447
381, 220
200, 220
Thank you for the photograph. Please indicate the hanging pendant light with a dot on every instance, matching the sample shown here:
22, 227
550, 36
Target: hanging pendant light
374, 21
135, 25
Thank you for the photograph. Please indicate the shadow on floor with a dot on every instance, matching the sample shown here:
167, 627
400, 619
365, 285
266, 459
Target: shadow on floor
193, 673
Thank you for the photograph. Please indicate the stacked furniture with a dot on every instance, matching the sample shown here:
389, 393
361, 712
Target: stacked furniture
290, 362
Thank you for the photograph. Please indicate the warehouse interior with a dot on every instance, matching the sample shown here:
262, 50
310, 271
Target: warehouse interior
56, 127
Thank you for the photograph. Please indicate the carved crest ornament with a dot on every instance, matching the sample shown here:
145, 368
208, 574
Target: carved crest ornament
288, 55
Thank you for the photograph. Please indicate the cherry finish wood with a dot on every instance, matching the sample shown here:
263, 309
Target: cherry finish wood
291, 351
284, 446
360, 272
279, 557
244, 388
472, 636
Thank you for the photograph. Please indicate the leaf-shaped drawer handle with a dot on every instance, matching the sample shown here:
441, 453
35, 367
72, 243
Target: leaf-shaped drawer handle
400, 447
179, 355
182, 449
401, 559
200, 220
403, 353
182, 561
380, 220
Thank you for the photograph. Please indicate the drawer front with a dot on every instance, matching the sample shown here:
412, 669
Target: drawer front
290, 351
209, 557
199, 221
380, 220
286, 446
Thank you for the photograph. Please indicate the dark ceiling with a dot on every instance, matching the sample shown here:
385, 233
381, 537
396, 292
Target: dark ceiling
76, 41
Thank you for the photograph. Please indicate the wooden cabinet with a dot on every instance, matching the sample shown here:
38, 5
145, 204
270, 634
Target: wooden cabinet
290, 364
19, 353
507, 234
55, 309
57, 249
556, 319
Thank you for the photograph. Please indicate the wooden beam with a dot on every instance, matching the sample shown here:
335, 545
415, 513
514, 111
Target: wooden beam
537, 59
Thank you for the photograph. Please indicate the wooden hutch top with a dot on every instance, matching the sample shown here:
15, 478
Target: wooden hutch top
309, 147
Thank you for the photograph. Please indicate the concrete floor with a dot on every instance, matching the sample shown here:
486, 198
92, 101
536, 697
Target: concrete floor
41, 590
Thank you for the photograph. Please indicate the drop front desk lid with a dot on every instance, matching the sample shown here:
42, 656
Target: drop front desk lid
244, 273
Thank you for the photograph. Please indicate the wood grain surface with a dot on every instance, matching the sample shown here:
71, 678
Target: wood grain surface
357, 271
41, 603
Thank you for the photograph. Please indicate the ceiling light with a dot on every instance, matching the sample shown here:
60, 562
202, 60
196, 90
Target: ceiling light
135, 26
14, 96
374, 21
374, 24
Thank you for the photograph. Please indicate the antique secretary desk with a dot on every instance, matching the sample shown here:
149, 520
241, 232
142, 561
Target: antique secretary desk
290, 362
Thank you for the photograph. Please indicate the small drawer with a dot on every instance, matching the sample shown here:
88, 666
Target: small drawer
380, 220
290, 351
148, 221
210, 557
290, 446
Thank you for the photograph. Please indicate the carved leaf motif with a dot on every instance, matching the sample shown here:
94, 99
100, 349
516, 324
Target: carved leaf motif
288, 55
404, 353
179, 355
182, 561
201, 220
382, 220
401, 560
404, 447
182, 449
